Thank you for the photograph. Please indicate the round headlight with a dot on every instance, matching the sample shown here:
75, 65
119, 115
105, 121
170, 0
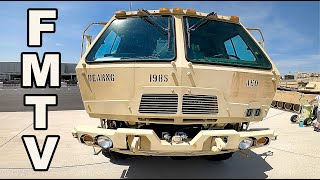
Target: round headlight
263, 141
246, 143
104, 142
87, 139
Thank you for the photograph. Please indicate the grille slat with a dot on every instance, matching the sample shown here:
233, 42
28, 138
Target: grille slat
192, 104
159, 103
201, 98
157, 107
200, 108
203, 102
199, 104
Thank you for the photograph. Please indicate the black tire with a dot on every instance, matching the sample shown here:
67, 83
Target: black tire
179, 157
114, 155
308, 122
315, 113
219, 157
294, 118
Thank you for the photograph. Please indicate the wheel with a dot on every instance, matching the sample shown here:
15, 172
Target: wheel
275, 104
294, 118
296, 108
287, 106
280, 104
114, 155
308, 121
219, 157
179, 157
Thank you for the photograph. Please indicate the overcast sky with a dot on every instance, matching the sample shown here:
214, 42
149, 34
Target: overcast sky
291, 29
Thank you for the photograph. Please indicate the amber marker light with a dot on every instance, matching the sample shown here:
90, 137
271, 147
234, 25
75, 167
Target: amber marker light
164, 10
191, 11
177, 10
120, 13
234, 18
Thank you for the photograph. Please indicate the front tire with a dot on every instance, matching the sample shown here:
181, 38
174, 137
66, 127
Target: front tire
219, 157
294, 118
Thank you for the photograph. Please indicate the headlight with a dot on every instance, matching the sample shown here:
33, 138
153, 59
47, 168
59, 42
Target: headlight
246, 143
104, 142
263, 141
87, 139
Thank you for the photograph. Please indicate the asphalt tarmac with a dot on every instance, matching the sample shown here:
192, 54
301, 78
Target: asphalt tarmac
11, 99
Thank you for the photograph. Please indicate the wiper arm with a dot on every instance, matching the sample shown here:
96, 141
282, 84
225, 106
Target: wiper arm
159, 28
169, 35
202, 22
150, 19
188, 32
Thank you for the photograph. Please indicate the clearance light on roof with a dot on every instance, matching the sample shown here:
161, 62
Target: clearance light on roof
120, 13
234, 18
177, 10
164, 10
191, 11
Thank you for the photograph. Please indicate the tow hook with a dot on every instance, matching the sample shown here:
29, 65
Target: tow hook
275, 136
135, 144
74, 134
220, 144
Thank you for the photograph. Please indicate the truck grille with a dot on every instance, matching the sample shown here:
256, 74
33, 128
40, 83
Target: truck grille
159, 103
199, 104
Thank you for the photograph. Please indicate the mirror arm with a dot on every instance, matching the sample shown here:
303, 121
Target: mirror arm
83, 34
257, 29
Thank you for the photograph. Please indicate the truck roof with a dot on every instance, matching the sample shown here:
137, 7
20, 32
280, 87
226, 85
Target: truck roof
179, 11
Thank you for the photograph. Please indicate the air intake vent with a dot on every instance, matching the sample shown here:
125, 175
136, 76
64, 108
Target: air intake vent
159, 103
199, 104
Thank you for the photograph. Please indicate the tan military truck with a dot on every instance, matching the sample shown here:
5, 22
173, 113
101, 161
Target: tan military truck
177, 83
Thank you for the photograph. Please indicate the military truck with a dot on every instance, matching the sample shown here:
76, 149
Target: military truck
296, 90
175, 82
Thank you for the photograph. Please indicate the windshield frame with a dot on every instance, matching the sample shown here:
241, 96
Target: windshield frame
222, 63
173, 27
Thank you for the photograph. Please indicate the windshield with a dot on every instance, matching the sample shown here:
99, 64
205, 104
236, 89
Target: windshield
222, 43
134, 39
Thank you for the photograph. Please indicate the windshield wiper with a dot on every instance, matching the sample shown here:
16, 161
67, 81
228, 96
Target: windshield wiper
202, 22
188, 32
149, 18
169, 34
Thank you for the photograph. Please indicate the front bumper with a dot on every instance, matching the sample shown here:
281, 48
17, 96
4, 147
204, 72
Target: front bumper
146, 141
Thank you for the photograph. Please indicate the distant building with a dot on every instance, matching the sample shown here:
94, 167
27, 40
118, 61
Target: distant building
11, 71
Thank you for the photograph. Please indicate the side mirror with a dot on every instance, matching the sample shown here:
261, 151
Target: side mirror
88, 41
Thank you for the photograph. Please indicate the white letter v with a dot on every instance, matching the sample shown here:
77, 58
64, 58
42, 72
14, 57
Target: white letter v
40, 160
